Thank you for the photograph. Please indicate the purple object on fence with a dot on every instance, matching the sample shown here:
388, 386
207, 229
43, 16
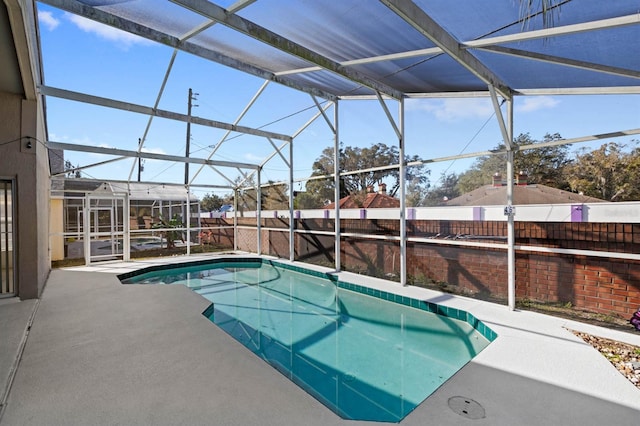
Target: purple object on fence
411, 214
363, 213
477, 213
275, 214
297, 214
576, 213
635, 320
326, 214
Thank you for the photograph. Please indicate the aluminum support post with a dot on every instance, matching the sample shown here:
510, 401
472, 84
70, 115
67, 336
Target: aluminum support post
188, 215
511, 251
507, 135
292, 236
336, 182
403, 203
235, 219
259, 210
126, 238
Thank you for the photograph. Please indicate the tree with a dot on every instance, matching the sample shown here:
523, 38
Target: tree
545, 165
247, 199
607, 172
211, 202
445, 190
305, 200
415, 194
273, 196
319, 192
481, 172
354, 159
71, 170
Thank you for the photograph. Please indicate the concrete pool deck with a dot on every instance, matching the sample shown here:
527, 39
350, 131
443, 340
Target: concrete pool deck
99, 352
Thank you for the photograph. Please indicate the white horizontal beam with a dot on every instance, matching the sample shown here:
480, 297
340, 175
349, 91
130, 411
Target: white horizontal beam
430, 95
557, 60
126, 106
571, 141
548, 91
126, 182
149, 155
556, 31
619, 90
373, 59
88, 166
591, 138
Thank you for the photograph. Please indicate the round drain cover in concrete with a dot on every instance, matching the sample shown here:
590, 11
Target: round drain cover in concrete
466, 407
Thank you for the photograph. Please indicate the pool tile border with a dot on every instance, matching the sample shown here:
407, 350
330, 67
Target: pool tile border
424, 305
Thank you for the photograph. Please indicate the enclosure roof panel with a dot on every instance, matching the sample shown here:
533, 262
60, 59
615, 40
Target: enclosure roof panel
135, 190
397, 47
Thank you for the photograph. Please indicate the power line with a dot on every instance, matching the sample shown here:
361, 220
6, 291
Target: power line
472, 138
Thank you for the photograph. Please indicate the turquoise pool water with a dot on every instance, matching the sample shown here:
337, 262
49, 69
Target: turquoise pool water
364, 357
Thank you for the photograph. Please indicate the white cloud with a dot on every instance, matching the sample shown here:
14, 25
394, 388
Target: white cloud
77, 140
456, 109
535, 103
122, 38
88, 142
47, 20
58, 138
153, 151
253, 158
85, 140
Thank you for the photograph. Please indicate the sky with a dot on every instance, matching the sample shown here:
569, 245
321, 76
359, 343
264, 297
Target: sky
85, 56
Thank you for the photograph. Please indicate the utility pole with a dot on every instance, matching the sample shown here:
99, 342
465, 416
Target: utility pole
192, 97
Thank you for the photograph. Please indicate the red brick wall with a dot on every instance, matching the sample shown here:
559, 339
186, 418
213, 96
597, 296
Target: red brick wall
596, 284
470, 270
211, 233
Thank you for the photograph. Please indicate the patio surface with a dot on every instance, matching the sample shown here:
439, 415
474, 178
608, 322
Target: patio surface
98, 352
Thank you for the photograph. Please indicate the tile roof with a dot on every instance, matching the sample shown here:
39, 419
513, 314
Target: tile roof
490, 195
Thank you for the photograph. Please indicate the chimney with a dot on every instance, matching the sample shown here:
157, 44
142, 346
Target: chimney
497, 179
369, 189
382, 188
522, 178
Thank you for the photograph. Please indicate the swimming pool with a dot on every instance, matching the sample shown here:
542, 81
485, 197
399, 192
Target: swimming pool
366, 354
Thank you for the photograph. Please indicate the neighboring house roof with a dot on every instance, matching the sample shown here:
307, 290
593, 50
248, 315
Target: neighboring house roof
490, 195
373, 200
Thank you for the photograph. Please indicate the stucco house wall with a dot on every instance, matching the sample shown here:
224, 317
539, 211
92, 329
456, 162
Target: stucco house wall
23, 156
